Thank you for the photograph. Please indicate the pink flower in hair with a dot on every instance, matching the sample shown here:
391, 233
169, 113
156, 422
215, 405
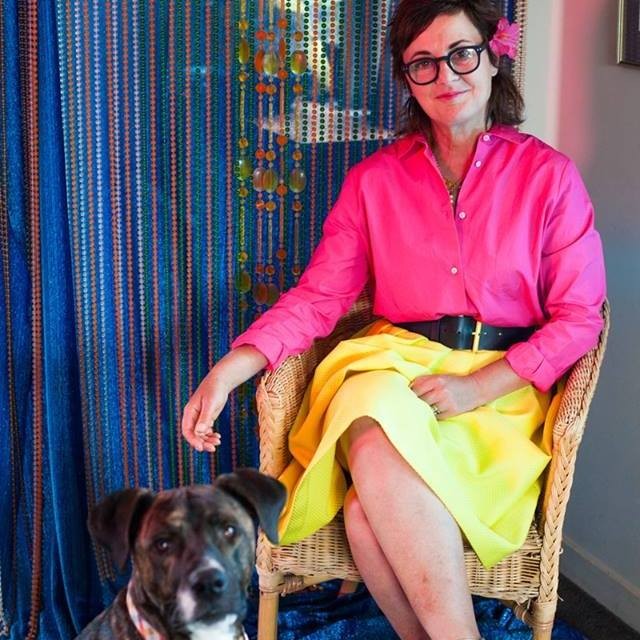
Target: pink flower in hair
506, 38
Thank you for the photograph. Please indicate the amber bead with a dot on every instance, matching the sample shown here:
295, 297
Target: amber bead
259, 154
270, 206
270, 270
296, 270
273, 293
281, 190
282, 140
258, 61
261, 87
297, 36
297, 180
243, 25
297, 155
271, 36
282, 23
260, 205
243, 256
282, 74
244, 52
243, 282
271, 63
242, 76
257, 178
269, 180
243, 143
270, 155
281, 254
271, 89
297, 205
260, 293
243, 192
297, 88
298, 62
261, 34
243, 167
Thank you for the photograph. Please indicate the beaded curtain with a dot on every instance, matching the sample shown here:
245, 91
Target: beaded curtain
165, 169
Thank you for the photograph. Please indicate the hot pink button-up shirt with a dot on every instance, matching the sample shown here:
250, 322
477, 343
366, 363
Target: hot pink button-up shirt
520, 249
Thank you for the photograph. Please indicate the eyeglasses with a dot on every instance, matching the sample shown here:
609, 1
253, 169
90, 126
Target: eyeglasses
462, 60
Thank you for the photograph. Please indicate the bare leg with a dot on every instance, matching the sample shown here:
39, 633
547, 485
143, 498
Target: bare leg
416, 534
377, 573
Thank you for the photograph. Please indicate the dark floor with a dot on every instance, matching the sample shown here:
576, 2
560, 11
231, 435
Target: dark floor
581, 611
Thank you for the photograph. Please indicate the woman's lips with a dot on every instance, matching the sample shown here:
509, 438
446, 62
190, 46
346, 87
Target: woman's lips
450, 95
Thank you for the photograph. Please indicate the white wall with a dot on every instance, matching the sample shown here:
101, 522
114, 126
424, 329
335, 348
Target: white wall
586, 105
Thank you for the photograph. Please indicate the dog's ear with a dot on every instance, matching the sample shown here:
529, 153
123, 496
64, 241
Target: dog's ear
115, 520
261, 495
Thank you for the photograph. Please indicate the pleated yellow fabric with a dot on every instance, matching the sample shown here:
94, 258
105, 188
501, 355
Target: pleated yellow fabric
485, 465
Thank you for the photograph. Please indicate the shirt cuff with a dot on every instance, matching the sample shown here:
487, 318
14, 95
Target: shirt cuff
529, 363
268, 347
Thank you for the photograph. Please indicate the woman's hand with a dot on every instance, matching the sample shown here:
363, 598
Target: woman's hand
199, 414
208, 401
448, 395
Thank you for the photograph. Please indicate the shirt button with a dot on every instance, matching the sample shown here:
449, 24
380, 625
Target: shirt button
486, 137
478, 164
462, 215
454, 270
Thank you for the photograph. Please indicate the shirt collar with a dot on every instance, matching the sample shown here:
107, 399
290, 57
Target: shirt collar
408, 144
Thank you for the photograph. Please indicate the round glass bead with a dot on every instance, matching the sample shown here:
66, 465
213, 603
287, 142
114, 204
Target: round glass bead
297, 155
258, 61
261, 87
297, 205
297, 88
259, 154
270, 270
282, 23
297, 36
272, 294
271, 89
271, 63
243, 192
282, 140
297, 180
243, 282
244, 52
242, 76
282, 74
257, 178
269, 180
271, 36
243, 256
261, 34
298, 62
243, 143
259, 269
260, 293
270, 206
259, 205
243, 24
281, 190
281, 254
243, 167
270, 155
295, 270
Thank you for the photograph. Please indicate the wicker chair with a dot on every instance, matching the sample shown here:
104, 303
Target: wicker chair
527, 580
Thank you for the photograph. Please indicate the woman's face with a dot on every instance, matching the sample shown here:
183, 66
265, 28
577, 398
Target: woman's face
453, 101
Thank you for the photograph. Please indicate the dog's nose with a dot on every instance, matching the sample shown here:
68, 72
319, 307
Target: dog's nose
209, 582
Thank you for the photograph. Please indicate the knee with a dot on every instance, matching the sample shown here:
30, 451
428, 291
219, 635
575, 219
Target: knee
364, 433
355, 519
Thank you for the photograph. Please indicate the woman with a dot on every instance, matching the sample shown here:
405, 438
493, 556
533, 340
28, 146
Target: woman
438, 419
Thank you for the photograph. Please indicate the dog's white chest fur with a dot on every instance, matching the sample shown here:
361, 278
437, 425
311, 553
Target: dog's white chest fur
224, 629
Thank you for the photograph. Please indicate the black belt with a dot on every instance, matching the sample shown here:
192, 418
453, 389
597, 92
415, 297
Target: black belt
465, 332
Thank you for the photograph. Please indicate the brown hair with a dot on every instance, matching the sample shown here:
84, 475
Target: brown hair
411, 18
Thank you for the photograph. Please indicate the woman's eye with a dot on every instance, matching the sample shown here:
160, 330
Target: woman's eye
463, 54
229, 532
162, 545
421, 65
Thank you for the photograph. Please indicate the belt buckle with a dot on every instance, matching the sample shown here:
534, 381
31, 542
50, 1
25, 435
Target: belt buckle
476, 333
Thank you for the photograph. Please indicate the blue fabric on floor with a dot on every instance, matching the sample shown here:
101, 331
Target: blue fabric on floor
320, 614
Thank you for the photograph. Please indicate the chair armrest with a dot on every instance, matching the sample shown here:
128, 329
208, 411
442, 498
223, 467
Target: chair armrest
280, 392
568, 428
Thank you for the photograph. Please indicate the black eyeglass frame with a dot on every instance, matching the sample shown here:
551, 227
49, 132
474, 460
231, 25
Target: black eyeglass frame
478, 48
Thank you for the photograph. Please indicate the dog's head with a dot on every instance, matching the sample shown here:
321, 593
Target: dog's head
192, 548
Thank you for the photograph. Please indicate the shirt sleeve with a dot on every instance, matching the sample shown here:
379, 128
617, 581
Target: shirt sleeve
572, 288
336, 274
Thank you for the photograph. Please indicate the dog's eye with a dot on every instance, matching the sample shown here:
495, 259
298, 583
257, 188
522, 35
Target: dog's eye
162, 545
229, 532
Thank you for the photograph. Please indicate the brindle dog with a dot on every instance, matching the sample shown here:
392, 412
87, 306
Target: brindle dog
192, 551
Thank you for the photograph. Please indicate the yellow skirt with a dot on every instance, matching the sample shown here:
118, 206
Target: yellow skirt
484, 465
